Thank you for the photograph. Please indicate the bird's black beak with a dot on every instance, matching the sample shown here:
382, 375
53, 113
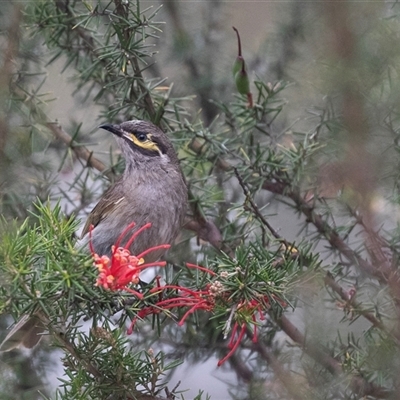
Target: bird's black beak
115, 129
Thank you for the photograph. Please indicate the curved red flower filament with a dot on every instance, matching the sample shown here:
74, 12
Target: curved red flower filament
144, 253
124, 232
233, 345
181, 288
200, 305
189, 265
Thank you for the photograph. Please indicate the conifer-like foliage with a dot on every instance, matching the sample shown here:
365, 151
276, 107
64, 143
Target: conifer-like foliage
285, 274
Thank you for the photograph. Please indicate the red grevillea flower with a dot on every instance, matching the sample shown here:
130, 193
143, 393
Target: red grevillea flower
123, 268
245, 309
185, 297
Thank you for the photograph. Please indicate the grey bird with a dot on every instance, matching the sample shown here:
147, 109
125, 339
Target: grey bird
151, 189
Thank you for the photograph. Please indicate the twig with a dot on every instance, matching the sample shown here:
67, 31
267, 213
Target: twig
384, 273
122, 10
205, 230
284, 376
6, 71
60, 338
69, 347
81, 151
357, 382
376, 241
241, 368
329, 281
258, 213
228, 324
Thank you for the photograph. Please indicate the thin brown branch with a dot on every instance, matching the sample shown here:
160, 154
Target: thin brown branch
122, 10
382, 272
205, 229
374, 240
357, 382
69, 347
148, 101
330, 281
258, 213
6, 71
242, 370
284, 376
81, 151
358, 161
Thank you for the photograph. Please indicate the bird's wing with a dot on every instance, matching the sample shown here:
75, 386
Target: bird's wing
108, 203
27, 331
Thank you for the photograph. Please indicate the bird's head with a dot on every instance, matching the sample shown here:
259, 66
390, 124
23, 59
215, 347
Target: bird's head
142, 142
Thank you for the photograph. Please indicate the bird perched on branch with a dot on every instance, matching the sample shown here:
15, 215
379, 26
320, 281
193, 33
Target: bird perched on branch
151, 189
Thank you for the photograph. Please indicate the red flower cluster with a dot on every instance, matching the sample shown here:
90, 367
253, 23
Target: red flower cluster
195, 299
123, 269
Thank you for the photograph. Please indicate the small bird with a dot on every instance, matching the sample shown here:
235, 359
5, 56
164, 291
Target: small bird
151, 189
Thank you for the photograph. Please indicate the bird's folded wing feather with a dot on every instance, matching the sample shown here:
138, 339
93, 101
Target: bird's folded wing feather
111, 200
27, 332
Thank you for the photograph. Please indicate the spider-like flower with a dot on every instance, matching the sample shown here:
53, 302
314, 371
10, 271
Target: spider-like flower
123, 268
184, 297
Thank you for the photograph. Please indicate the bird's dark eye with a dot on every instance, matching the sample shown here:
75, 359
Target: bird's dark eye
142, 137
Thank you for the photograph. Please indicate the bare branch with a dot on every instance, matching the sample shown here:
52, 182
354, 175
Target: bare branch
6, 71
329, 281
357, 382
284, 376
81, 151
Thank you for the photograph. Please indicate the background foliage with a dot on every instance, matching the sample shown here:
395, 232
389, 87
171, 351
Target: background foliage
293, 202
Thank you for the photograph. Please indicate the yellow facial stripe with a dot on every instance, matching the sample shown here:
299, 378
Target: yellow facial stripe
147, 144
